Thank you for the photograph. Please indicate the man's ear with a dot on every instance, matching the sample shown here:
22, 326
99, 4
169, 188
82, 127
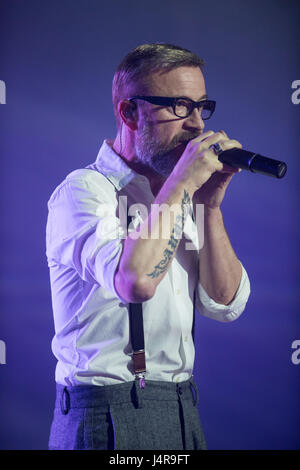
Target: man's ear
128, 113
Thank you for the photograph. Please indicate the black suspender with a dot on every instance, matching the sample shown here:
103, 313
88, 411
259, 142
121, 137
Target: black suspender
137, 338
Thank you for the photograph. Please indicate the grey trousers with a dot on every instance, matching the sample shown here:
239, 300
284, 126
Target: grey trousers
161, 416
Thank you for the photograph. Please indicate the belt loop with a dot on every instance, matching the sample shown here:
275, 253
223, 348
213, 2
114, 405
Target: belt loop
193, 386
65, 401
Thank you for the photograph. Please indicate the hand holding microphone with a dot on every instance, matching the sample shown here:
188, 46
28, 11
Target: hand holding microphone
201, 169
250, 161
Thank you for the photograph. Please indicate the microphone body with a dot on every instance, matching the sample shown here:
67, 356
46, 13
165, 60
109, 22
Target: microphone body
254, 162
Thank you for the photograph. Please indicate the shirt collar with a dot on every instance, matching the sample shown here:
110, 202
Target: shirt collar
111, 165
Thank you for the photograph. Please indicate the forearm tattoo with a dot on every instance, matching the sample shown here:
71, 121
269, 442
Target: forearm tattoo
174, 238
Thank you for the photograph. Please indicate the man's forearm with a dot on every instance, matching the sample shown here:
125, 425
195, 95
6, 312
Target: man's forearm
220, 270
147, 254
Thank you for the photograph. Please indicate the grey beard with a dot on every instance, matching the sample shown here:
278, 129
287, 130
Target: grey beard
158, 156
163, 163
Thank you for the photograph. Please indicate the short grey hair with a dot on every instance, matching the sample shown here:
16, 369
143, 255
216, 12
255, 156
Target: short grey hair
144, 60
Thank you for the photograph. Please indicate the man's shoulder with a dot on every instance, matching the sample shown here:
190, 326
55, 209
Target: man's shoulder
87, 175
88, 179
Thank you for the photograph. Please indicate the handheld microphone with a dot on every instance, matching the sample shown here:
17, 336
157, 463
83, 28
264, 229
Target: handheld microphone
253, 162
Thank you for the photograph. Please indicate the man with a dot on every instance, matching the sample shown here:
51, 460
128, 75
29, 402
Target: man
161, 158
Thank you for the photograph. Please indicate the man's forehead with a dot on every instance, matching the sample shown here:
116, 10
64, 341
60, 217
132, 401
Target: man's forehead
182, 81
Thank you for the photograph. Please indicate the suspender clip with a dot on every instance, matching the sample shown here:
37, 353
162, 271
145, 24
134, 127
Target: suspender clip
139, 364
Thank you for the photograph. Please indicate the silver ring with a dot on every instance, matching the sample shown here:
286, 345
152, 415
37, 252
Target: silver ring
217, 148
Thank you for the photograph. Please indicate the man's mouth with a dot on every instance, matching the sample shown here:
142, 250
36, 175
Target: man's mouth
186, 141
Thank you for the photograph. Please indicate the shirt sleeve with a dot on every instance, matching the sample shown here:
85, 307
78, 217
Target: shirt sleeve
83, 231
224, 313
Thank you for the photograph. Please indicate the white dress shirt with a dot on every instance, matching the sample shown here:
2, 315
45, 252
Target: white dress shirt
84, 238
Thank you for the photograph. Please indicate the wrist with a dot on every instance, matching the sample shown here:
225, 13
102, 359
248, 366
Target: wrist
212, 211
185, 184
213, 217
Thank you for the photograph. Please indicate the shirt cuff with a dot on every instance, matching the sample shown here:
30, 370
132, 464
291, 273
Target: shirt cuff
225, 313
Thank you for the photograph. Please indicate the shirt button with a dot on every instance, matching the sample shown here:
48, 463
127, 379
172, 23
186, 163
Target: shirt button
185, 338
177, 291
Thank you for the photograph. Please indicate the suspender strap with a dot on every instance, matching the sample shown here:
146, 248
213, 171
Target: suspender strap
137, 334
137, 338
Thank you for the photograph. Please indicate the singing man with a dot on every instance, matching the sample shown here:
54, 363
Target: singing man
109, 395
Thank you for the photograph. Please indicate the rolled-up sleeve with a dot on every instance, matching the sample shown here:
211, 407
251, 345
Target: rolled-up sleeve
83, 231
224, 313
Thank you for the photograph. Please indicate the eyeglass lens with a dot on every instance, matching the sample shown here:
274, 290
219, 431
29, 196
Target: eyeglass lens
184, 108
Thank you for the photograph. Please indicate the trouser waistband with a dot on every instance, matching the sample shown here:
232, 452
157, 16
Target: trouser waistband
89, 396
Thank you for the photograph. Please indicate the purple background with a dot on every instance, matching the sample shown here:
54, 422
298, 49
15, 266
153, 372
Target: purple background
58, 58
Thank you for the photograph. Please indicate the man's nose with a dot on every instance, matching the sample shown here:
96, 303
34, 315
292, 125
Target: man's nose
194, 120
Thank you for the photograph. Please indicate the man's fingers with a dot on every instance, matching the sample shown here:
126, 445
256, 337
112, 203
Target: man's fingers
229, 144
229, 169
211, 137
205, 142
223, 132
204, 136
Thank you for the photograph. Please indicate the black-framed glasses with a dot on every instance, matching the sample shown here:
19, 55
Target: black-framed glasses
182, 107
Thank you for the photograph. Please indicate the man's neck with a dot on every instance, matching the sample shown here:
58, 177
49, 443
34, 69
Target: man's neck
156, 181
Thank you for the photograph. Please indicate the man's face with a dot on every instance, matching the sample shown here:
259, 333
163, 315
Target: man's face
161, 136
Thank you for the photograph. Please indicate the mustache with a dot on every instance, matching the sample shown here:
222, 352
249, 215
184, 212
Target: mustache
186, 137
